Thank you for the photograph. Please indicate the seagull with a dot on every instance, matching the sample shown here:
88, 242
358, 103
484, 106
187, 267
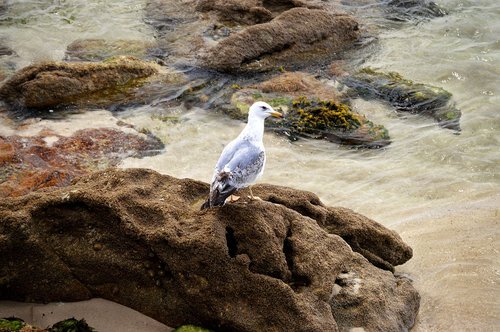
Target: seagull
242, 160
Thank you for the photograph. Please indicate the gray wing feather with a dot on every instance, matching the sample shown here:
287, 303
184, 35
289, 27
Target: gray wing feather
239, 165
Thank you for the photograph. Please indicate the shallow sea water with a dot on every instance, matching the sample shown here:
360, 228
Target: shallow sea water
438, 190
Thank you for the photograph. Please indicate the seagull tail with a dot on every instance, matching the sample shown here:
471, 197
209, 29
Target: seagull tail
218, 197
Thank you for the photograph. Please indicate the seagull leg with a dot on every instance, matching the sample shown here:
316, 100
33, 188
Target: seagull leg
252, 197
233, 198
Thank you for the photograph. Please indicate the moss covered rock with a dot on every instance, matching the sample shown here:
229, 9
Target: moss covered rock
53, 84
406, 95
11, 324
191, 328
314, 118
71, 325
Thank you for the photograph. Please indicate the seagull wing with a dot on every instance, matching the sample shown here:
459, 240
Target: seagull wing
239, 165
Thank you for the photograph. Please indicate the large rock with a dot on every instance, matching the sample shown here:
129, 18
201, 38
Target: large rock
48, 159
406, 95
138, 238
297, 36
52, 84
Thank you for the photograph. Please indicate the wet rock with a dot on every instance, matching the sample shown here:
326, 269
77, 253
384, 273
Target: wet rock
298, 84
243, 12
166, 15
297, 36
3, 6
333, 121
311, 117
248, 266
50, 160
101, 49
178, 27
54, 84
7, 66
191, 32
405, 10
406, 95
394, 10
249, 12
5, 50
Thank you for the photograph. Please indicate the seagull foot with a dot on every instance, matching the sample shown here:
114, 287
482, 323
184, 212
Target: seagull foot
255, 198
233, 198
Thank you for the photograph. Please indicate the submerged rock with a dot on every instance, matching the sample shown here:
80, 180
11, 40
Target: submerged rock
5, 50
404, 10
101, 49
55, 84
406, 95
47, 160
297, 36
249, 266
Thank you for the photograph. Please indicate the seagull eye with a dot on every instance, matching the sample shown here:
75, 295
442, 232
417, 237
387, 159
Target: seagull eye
264, 108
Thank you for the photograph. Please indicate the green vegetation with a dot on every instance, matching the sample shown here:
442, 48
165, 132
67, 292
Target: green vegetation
71, 325
11, 324
322, 115
191, 328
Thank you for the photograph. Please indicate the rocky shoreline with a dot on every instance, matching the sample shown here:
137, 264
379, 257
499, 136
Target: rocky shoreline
70, 231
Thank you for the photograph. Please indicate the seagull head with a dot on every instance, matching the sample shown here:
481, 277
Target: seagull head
263, 110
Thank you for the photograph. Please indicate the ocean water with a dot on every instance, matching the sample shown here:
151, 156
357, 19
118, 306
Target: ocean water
440, 191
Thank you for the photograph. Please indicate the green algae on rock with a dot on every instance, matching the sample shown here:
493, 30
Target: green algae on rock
335, 122
11, 324
315, 118
191, 328
406, 95
71, 325
54, 84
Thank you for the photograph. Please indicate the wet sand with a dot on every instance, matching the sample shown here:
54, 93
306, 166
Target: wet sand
102, 315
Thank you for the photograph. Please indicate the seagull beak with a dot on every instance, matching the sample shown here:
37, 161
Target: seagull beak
276, 114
